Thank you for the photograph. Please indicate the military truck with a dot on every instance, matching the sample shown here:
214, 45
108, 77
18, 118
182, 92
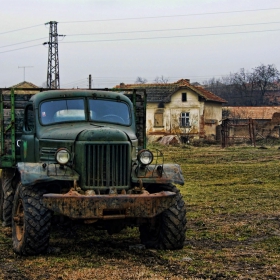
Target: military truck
82, 154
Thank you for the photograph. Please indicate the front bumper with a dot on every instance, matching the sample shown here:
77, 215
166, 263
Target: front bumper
105, 207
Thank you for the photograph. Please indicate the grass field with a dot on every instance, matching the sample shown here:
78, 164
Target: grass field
233, 209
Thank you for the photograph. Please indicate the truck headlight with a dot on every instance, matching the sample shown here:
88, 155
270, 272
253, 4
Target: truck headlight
62, 156
145, 157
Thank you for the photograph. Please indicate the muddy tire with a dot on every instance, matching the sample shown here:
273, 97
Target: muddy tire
31, 221
167, 231
8, 195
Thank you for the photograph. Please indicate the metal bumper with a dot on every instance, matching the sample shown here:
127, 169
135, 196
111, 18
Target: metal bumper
105, 207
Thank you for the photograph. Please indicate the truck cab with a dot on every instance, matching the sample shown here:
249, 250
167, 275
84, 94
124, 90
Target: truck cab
82, 154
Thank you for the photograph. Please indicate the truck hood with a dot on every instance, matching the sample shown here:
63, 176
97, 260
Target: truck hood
102, 134
84, 133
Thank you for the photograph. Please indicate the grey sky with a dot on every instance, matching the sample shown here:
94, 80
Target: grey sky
191, 52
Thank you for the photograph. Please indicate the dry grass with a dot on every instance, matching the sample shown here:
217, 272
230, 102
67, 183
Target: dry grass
233, 202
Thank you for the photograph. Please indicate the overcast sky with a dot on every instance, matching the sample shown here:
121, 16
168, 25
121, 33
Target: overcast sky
118, 40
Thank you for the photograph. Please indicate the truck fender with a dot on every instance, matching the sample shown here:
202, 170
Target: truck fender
158, 174
33, 173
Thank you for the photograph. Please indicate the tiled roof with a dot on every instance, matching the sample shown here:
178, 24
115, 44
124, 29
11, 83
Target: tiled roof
162, 92
24, 84
256, 113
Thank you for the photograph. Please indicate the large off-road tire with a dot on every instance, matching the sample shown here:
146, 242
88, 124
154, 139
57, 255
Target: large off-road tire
31, 221
167, 231
8, 195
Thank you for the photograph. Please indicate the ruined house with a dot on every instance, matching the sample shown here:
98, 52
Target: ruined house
181, 109
266, 120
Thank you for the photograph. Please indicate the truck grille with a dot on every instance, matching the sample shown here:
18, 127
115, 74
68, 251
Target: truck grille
47, 154
107, 165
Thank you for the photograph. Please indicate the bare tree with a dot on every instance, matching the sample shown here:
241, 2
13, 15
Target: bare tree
161, 80
140, 80
244, 82
266, 77
246, 87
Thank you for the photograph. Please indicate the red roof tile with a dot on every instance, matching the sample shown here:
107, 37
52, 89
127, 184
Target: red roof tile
163, 92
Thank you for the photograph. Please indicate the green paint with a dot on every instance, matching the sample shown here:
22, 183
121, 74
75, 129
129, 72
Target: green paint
24, 149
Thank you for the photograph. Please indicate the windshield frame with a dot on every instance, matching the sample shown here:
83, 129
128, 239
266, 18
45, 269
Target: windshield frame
86, 109
111, 113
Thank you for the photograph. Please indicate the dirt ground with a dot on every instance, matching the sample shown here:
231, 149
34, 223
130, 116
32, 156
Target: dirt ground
79, 252
233, 229
76, 255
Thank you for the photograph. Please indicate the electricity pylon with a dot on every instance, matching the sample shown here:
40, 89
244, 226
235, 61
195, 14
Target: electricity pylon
53, 62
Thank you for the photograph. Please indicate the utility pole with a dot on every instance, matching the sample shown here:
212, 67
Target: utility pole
24, 70
53, 63
89, 81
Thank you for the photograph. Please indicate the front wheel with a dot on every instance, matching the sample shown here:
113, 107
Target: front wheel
166, 231
31, 221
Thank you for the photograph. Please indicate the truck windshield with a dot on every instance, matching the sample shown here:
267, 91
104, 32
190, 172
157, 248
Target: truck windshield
109, 111
55, 111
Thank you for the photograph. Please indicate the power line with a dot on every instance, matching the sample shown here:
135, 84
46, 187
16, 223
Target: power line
168, 37
152, 38
116, 80
23, 42
115, 19
174, 29
20, 29
155, 30
149, 38
186, 15
21, 48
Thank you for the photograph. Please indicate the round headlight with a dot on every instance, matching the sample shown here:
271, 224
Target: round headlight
62, 156
145, 157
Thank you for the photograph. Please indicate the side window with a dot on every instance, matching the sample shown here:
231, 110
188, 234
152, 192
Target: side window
29, 118
184, 119
158, 121
184, 97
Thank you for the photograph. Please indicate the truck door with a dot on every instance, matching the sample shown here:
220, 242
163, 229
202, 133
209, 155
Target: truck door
27, 143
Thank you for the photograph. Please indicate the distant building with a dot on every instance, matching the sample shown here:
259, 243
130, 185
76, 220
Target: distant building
181, 109
266, 120
26, 85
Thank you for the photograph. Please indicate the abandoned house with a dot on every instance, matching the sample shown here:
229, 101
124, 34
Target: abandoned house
266, 120
181, 109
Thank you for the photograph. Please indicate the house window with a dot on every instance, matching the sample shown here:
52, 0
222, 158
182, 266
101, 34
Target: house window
185, 119
158, 122
184, 97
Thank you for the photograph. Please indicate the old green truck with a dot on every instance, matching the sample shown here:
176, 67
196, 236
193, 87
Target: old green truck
82, 154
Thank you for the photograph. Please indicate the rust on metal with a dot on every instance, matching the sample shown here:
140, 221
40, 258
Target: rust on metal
160, 174
33, 173
78, 206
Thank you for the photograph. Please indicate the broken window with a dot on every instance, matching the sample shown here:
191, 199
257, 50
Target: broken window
158, 122
185, 119
184, 97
